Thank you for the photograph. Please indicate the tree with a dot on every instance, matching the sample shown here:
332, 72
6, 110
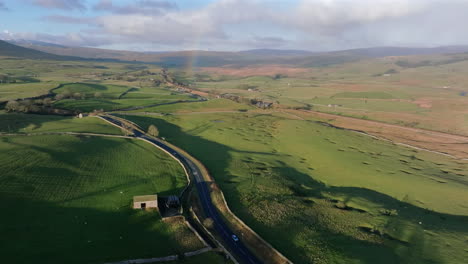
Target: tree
12, 106
127, 129
153, 131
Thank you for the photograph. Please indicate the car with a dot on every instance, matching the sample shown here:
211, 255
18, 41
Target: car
235, 238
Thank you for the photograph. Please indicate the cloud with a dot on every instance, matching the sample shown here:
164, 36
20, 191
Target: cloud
70, 19
3, 7
61, 4
149, 7
303, 24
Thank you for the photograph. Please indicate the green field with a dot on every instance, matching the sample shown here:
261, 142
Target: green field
67, 199
87, 97
24, 90
89, 90
325, 195
421, 96
210, 105
25, 123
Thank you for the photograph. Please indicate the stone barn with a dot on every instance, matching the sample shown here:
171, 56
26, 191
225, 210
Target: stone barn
145, 201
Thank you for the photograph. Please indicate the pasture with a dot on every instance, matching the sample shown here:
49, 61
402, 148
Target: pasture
325, 195
190, 107
27, 123
24, 90
67, 199
87, 97
419, 93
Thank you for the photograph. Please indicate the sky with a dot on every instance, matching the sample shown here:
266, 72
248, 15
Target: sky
232, 25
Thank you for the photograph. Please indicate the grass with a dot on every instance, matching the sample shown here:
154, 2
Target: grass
24, 90
318, 194
89, 89
25, 123
370, 95
65, 194
114, 97
321, 195
424, 96
210, 105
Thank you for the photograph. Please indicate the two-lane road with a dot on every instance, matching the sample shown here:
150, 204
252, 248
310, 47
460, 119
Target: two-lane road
237, 248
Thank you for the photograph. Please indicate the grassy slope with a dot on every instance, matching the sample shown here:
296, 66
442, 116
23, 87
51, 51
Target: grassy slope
26, 123
280, 174
25, 90
109, 97
210, 105
67, 199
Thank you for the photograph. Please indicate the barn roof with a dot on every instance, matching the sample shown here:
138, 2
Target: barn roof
145, 198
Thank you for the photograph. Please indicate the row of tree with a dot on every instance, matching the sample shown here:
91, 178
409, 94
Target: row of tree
77, 96
28, 106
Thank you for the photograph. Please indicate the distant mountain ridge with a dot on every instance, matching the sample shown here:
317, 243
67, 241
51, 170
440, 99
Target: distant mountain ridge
10, 50
404, 51
200, 58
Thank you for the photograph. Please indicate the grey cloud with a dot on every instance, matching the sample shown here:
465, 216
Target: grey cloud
61, 4
150, 7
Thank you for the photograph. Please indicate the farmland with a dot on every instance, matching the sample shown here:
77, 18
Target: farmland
381, 89
24, 123
88, 97
316, 192
59, 191
327, 195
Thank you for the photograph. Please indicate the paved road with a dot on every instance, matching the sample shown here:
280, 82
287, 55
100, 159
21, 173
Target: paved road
238, 249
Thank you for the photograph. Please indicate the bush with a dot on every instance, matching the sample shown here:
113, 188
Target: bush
153, 131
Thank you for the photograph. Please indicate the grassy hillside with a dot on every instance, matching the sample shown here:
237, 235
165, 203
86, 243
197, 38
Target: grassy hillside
10, 50
24, 90
88, 97
64, 194
324, 195
28, 123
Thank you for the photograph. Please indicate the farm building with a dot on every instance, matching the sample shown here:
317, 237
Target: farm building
145, 201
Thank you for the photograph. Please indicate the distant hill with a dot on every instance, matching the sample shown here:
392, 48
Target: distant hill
277, 52
26, 42
198, 58
10, 50
402, 51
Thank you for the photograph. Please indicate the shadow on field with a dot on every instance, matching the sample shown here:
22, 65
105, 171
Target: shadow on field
59, 211
71, 154
402, 239
35, 231
14, 122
